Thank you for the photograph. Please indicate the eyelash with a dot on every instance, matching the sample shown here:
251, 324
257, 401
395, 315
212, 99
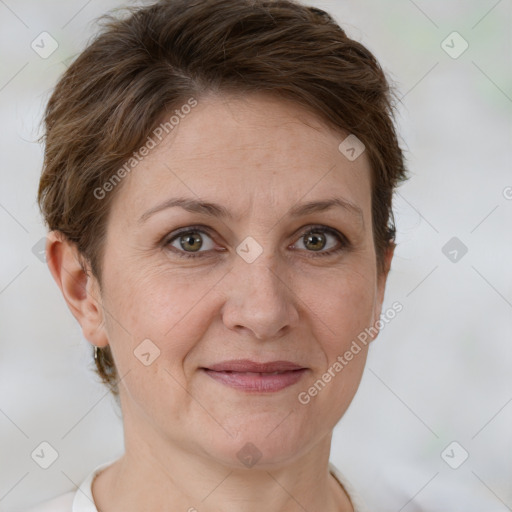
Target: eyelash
344, 243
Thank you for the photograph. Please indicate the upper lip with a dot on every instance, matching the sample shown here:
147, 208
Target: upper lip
245, 365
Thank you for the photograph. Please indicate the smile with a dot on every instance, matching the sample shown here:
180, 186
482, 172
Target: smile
259, 382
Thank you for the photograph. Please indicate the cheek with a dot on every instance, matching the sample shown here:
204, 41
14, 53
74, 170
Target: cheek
342, 306
157, 324
166, 308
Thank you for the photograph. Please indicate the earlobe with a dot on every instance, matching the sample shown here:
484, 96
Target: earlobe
78, 286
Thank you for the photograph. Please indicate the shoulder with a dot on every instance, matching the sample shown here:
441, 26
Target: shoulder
63, 503
80, 500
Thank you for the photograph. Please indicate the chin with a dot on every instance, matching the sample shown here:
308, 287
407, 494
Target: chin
264, 442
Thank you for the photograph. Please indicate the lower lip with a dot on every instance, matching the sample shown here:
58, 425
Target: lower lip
256, 382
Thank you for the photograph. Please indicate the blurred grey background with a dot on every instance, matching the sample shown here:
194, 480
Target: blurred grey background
438, 384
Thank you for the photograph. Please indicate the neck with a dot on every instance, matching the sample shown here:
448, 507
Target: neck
175, 479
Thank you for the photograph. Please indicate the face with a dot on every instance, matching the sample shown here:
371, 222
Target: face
259, 277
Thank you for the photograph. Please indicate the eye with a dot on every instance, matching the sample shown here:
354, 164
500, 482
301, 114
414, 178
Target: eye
190, 241
318, 238
194, 242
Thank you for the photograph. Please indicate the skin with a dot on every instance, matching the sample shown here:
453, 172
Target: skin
258, 157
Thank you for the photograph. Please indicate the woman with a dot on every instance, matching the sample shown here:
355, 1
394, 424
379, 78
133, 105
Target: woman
218, 184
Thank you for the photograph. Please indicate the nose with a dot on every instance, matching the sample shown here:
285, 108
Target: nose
260, 300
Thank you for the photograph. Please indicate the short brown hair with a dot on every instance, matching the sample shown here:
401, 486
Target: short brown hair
156, 57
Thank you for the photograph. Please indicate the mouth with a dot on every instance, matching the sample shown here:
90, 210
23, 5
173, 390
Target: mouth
250, 376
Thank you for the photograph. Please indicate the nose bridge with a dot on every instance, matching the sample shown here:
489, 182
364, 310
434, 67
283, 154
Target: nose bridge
260, 300
261, 281
262, 276
257, 260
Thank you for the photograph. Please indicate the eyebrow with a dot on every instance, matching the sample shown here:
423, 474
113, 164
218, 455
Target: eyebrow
217, 210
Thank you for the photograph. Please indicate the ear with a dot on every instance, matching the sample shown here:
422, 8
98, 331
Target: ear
381, 285
79, 287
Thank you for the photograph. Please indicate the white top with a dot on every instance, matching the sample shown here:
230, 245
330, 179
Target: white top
81, 500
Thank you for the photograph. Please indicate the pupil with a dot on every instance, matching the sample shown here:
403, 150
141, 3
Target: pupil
189, 240
315, 239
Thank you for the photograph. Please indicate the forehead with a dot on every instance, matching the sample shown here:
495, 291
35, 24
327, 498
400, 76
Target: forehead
250, 152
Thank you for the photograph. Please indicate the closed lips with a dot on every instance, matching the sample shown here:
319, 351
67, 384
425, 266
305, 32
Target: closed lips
250, 376
247, 366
